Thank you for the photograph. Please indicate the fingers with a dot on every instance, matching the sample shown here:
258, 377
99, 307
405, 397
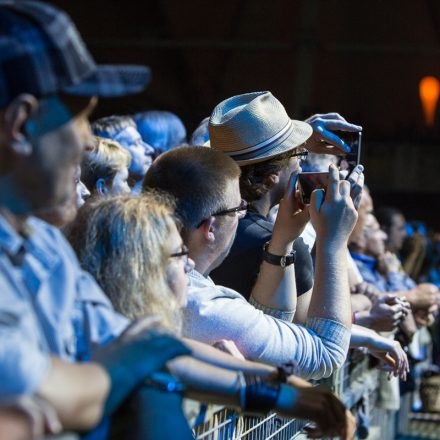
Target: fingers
331, 138
344, 188
333, 183
356, 179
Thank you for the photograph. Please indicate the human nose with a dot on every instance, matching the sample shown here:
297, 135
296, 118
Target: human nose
149, 150
189, 265
85, 193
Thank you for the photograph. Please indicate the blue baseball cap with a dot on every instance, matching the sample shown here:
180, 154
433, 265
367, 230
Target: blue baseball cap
42, 53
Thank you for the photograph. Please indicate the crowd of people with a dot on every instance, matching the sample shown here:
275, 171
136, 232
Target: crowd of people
141, 267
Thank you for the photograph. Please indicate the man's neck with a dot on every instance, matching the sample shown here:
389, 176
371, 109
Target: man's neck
202, 264
264, 204
12, 207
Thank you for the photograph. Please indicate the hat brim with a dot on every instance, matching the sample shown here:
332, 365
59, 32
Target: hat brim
300, 133
109, 81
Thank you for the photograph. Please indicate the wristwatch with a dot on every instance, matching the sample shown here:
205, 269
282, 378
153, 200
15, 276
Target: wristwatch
278, 260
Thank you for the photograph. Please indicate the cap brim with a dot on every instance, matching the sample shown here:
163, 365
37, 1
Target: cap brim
110, 81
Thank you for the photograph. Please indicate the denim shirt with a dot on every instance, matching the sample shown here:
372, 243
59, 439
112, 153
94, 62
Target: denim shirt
48, 306
391, 282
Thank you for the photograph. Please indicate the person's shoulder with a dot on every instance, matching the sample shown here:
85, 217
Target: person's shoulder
252, 231
43, 229
49, 238
202, 288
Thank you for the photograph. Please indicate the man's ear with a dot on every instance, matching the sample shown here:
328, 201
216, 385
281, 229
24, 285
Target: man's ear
272, 179
102, 187
208, 228
16, 115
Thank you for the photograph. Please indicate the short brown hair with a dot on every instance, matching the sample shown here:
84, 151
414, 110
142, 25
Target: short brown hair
254, 176
105, 159
197, 178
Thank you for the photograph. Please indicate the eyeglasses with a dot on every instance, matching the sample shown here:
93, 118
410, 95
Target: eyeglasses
302, 154
241, 209
183, 253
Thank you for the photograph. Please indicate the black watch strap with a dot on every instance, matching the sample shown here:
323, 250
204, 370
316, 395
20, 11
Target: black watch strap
278, 260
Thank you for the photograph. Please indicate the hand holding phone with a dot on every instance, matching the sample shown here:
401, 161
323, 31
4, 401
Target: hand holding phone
309, 182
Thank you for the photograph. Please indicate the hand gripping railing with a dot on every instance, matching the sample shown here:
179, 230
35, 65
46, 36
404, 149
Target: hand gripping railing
355, 383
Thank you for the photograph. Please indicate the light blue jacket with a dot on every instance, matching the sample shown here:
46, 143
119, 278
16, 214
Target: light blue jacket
48, 305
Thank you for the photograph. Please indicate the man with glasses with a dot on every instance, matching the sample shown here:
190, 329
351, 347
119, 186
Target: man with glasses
205, 184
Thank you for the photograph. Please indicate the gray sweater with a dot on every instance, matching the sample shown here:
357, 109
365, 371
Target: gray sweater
216, 312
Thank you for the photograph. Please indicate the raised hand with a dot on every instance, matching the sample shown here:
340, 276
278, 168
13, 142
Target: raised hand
333, 216
292, 216
388, 262
323, 141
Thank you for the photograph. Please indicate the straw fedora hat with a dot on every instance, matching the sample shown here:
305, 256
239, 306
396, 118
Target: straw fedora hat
254, 127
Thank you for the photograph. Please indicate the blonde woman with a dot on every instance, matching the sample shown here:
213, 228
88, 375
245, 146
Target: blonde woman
104, 169
132, 247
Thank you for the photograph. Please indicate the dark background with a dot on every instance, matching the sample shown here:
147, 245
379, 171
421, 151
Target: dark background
363, 59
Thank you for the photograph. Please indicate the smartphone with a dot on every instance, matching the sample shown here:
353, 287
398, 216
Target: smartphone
307, 182
349, 160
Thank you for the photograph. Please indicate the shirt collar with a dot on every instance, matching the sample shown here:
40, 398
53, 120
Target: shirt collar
10, 241
198, 276
370, 262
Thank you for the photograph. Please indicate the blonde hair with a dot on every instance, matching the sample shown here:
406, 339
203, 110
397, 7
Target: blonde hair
123, 242
105, 159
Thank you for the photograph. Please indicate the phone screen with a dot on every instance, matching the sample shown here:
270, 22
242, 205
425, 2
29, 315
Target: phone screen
349, 160
310, 181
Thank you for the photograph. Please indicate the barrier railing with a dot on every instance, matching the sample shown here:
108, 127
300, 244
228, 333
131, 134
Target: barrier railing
356, 383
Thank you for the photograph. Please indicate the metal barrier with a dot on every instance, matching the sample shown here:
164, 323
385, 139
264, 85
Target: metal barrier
356, 383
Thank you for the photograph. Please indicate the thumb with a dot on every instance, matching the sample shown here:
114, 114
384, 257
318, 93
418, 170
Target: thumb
317, 199
291, 185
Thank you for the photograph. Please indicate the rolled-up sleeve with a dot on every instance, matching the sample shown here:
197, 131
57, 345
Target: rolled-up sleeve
24, 363
316, 349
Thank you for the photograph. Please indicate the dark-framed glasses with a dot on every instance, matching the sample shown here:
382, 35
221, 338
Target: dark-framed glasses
240, 209
183, 253
301, 155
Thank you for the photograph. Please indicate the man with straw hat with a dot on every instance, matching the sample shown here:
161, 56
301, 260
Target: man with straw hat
255, 130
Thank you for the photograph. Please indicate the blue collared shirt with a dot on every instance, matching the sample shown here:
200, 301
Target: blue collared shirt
48, 305
391, 282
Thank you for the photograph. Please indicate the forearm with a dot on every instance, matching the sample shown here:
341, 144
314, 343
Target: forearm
77, 392
331, 293
206, 383
302, 307
361, 336
205, 353
276, 286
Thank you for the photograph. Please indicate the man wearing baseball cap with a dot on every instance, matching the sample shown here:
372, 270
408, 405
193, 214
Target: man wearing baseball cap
51, 313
